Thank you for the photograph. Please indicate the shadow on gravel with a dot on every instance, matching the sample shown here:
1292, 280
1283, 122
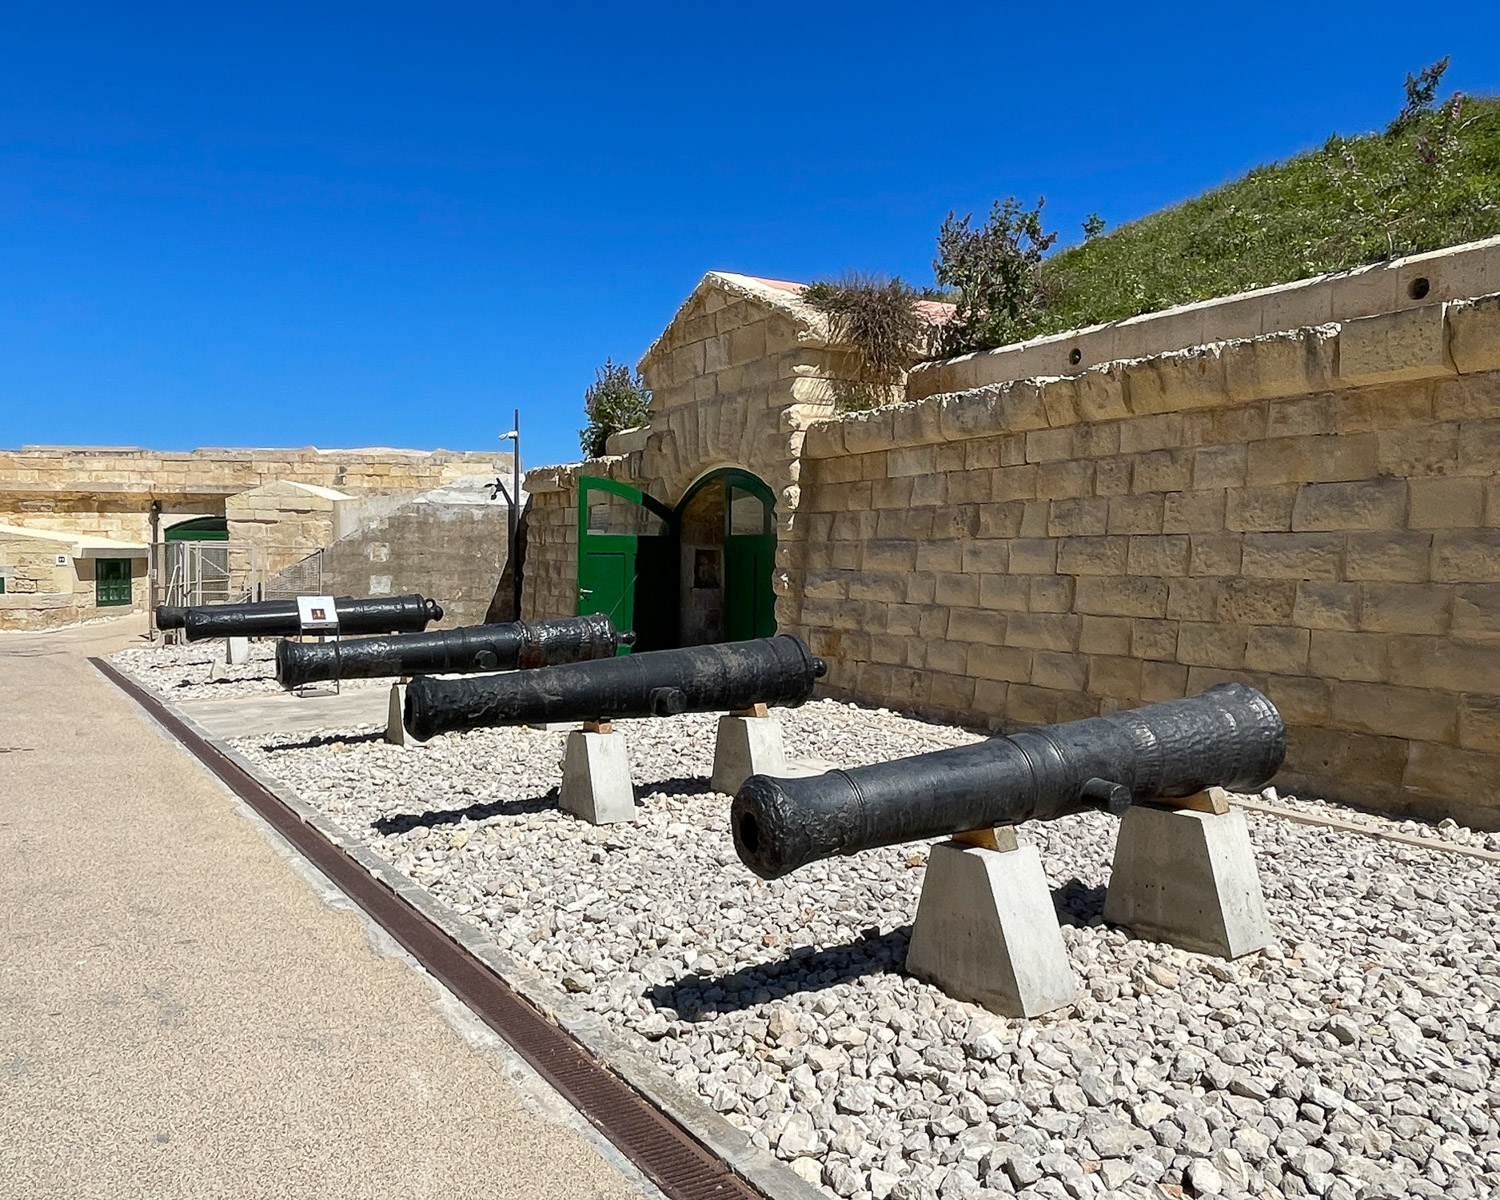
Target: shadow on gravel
312, 743
484, 810
807, 969
1078, 903
666, 788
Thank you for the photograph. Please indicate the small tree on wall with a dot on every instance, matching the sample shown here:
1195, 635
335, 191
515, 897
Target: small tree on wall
617, 399
996, 271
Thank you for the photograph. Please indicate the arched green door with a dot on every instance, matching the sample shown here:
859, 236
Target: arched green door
749, 559
625, 536
749, 540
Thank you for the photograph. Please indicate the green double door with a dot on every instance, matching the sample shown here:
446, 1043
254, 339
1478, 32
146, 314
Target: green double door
629, 558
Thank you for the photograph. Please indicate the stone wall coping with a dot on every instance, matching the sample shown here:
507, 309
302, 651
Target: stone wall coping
1430, 341
1453, 273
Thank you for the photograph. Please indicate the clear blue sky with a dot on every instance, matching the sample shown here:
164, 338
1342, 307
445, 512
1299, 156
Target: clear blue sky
389, 225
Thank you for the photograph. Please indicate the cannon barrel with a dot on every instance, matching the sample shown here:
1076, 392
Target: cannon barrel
471, 648
1231, 736
661, 683
170, 616
278, 618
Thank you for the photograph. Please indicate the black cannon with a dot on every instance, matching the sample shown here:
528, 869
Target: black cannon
472, 648
1231, 736
661, 683
170, 616
278, 618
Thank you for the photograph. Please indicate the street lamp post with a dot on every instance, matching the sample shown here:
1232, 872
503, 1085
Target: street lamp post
513, 523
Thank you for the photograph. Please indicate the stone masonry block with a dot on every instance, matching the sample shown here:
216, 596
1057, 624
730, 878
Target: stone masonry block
1388, 556
1335, 654
1214, 554
1043, 631
1299, 416
1135, 514
1159, 554
1131, 596
1466, 556
1093, 555
1193, 512
1479, 723
1411, 344
1406, 608
1314, 458
1284, 364
1476, 611
1474, 334
1293, 555
1174, 382
1450, 773
1387, 711
1446, 503
1206, 644
1116, 678
1366, 505
1281, 650
1106, 635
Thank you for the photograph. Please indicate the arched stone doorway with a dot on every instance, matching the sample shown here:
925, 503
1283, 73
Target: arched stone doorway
686, 576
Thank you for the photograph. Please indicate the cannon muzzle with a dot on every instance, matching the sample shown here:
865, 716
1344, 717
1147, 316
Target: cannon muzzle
170, 616
502, 647
1231, 736
278, 618
661, 683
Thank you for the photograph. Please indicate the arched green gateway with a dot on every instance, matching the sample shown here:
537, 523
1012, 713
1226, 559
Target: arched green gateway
689, 575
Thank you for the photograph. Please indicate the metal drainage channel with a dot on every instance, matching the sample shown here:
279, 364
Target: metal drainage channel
660, 1148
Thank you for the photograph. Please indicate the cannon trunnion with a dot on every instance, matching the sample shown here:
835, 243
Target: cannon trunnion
1231, 736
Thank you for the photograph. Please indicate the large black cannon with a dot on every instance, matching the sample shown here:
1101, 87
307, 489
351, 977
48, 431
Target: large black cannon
661, 683
1231, 736
471, 648
278, 618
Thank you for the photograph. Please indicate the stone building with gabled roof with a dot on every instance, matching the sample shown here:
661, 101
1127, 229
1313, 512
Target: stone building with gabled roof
696, 502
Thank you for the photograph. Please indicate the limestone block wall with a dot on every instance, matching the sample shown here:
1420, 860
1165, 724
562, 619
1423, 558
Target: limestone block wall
40, 594
274, 526
1315, 512
453, 552
108, 492
1422, 279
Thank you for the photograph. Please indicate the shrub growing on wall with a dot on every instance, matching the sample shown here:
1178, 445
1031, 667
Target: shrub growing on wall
879, 318
617, 399
996, 272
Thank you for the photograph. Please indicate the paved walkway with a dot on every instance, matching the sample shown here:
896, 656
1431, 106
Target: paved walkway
247, 716
182, 1014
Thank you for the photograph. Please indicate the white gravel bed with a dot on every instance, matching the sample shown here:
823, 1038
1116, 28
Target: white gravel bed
181, 672
1355, 1061
1447, 830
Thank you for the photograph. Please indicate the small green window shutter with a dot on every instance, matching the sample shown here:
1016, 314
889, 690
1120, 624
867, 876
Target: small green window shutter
111, 581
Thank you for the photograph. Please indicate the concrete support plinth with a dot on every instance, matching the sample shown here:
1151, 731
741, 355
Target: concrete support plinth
986, 931
596, 778
1188, 878
237, 651
747, 746
395, 724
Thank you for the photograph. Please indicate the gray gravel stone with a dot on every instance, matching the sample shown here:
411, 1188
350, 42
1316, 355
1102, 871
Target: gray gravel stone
1368, 1033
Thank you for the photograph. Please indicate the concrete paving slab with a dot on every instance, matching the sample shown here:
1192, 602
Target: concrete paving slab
251, 716
182, 1015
